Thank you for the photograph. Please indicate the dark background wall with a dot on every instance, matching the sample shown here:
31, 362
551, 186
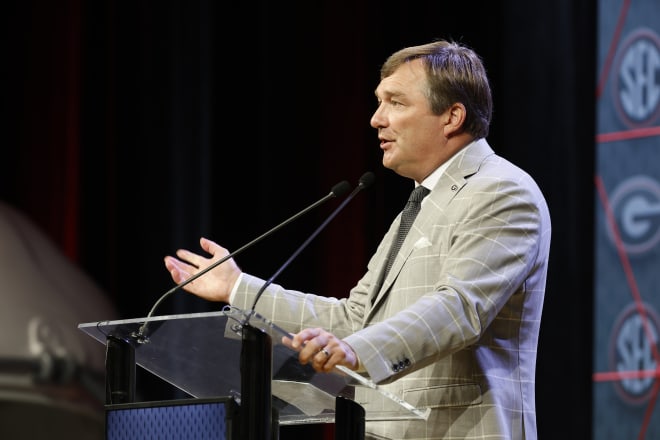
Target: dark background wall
134, 128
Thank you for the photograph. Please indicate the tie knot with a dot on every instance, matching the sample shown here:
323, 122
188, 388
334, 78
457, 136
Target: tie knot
418, 194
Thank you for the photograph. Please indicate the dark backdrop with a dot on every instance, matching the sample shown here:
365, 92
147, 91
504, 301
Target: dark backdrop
133, 128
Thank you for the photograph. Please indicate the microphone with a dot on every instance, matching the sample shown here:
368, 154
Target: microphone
366, 180
338, 190
256, 359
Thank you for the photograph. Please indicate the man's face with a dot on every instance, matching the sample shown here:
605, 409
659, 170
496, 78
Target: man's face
410, 135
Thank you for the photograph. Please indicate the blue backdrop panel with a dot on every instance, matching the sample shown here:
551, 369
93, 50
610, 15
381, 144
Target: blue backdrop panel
627, 229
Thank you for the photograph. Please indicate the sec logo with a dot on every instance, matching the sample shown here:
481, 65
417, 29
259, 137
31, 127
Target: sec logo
637, 86
632, 350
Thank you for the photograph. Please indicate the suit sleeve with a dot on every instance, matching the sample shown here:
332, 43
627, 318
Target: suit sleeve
294, 310
485, 246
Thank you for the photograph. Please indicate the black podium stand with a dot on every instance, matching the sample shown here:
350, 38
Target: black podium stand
237, 360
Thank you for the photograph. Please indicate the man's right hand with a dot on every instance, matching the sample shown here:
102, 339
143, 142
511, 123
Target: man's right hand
215, 285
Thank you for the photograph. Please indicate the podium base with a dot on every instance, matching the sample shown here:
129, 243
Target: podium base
194, 419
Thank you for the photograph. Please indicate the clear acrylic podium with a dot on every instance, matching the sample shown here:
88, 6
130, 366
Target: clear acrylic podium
209, 355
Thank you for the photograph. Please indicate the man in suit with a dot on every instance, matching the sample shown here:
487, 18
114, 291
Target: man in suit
450, 321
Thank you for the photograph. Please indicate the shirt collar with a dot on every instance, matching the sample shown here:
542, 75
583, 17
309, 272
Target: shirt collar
433, 178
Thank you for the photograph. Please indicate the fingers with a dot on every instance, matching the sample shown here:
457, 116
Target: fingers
302, 338
187, 263
184, 265
191, 258
321, 359
197, 260
328, 357
320, 348
178, 270
309, 342
211, 247
307, 350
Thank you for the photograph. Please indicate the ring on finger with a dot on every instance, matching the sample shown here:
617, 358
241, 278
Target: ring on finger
325, 352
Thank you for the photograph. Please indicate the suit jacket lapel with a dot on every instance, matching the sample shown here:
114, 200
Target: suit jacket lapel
466, 164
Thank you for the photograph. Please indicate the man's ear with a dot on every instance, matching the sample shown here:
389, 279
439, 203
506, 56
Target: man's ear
454, 119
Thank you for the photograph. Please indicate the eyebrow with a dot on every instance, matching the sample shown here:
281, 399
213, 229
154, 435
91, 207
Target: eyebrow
389, 93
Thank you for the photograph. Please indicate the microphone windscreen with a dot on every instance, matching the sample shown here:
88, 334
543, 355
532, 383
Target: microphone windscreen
341, 188
367, 179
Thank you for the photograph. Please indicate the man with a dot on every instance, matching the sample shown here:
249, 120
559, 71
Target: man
453, 325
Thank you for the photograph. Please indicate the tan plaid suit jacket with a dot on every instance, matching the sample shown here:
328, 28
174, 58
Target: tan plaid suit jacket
455, 324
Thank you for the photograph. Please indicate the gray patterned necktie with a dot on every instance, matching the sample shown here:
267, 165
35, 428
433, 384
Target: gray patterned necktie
407, 218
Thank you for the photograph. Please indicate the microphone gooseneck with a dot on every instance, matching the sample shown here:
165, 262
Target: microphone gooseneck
366, 180
338, 190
